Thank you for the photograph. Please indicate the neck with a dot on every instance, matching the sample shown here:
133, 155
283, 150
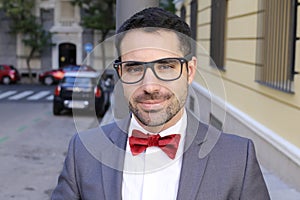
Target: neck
158, 129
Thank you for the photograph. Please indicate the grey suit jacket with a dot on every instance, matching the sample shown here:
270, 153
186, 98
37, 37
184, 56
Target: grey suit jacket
216, 166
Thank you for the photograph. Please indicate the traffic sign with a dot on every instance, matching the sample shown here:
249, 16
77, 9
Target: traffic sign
88, 47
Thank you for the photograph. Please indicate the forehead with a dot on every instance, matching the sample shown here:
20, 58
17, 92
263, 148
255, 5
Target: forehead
160, 41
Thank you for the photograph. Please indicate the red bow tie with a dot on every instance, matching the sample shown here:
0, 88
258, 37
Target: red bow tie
139, 142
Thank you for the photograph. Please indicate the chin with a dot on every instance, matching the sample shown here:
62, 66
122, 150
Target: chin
154, 119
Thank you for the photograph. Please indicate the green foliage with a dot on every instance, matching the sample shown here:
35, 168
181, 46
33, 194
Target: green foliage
97, 14
19, 11
24, 22
167, 5
39, 39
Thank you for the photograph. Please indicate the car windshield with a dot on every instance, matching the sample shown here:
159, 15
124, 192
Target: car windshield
79, 81
70, 68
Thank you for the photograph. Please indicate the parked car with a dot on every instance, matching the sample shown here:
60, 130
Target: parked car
81, 90
9, 74
53, 76
108, 79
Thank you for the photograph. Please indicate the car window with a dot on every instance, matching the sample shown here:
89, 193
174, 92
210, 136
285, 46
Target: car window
67, 69
71, 68
83, 81
68, 79
79, 81
75, 68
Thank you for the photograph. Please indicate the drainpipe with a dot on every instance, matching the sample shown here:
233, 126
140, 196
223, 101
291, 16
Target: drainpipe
126, 8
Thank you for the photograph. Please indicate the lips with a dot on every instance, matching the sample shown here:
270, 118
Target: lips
152, 102
151, 107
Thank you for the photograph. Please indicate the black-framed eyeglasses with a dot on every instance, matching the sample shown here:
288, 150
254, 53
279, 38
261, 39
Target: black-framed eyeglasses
166, 69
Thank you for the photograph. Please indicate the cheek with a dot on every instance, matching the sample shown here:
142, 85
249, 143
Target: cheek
178, 87
128, 91
182, 87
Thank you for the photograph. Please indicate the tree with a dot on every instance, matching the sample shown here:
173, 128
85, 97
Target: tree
24, 22
167, 5
98, 15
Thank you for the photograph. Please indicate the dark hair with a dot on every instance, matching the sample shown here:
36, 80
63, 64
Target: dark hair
153, 19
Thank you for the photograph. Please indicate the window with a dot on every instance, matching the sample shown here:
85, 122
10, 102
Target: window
217, 33
215, 122
296, 39
194, 14
183, 12
67, 10
67, 13
278, 48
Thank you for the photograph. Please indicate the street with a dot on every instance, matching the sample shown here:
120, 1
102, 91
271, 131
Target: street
33, 144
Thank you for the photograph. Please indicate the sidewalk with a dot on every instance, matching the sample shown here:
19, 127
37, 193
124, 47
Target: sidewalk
278, 189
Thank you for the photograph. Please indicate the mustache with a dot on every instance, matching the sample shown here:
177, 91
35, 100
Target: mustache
152, 96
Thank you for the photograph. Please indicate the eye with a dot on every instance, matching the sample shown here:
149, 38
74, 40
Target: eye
133, 68
167, 65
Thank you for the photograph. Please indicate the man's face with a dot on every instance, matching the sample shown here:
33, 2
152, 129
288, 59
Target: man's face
154, 102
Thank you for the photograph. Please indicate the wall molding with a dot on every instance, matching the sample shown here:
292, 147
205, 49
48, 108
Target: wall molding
291, 151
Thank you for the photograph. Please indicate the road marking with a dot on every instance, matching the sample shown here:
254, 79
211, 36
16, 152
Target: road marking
21, 128
37, 120
3, 139
38, 95
6, 94
50, 97
21, 95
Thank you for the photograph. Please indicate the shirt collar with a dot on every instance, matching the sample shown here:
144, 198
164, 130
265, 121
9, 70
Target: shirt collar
178, 128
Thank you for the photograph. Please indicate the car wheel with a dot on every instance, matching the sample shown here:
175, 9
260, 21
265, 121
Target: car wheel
100, 111
99, 114
56, 109
48, 80
6, 80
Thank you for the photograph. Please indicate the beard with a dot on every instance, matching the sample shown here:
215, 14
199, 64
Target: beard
153, 118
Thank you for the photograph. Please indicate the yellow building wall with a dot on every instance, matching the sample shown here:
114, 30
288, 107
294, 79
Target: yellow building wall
275, 109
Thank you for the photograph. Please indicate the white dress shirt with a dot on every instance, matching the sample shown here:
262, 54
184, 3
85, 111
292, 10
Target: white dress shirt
152, 175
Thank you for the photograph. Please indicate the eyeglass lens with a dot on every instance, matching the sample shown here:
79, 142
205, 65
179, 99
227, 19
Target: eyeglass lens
164, 69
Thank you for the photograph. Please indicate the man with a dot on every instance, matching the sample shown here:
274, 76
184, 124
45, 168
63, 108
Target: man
161, 151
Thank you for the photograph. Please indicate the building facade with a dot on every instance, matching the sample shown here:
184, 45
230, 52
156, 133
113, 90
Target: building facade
62, 19
249, 59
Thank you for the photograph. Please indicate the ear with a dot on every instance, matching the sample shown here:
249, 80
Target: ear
192, 67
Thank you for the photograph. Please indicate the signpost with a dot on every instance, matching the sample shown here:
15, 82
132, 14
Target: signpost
88, 47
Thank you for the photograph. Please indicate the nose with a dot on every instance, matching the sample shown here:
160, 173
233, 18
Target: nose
150, 81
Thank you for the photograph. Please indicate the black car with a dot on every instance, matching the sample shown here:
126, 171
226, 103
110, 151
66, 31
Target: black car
81, 91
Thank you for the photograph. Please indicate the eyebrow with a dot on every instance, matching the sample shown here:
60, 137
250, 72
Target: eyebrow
132, 63
167, 60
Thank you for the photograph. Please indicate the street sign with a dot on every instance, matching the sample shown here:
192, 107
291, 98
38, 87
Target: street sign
88, 47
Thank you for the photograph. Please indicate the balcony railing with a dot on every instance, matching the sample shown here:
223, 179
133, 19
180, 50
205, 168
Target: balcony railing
67, 22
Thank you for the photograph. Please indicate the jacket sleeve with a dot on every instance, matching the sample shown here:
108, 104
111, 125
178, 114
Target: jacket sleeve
67, 185
254, 186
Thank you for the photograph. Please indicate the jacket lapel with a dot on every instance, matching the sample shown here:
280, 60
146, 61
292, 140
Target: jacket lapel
193, 167
112, 173
191, 175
